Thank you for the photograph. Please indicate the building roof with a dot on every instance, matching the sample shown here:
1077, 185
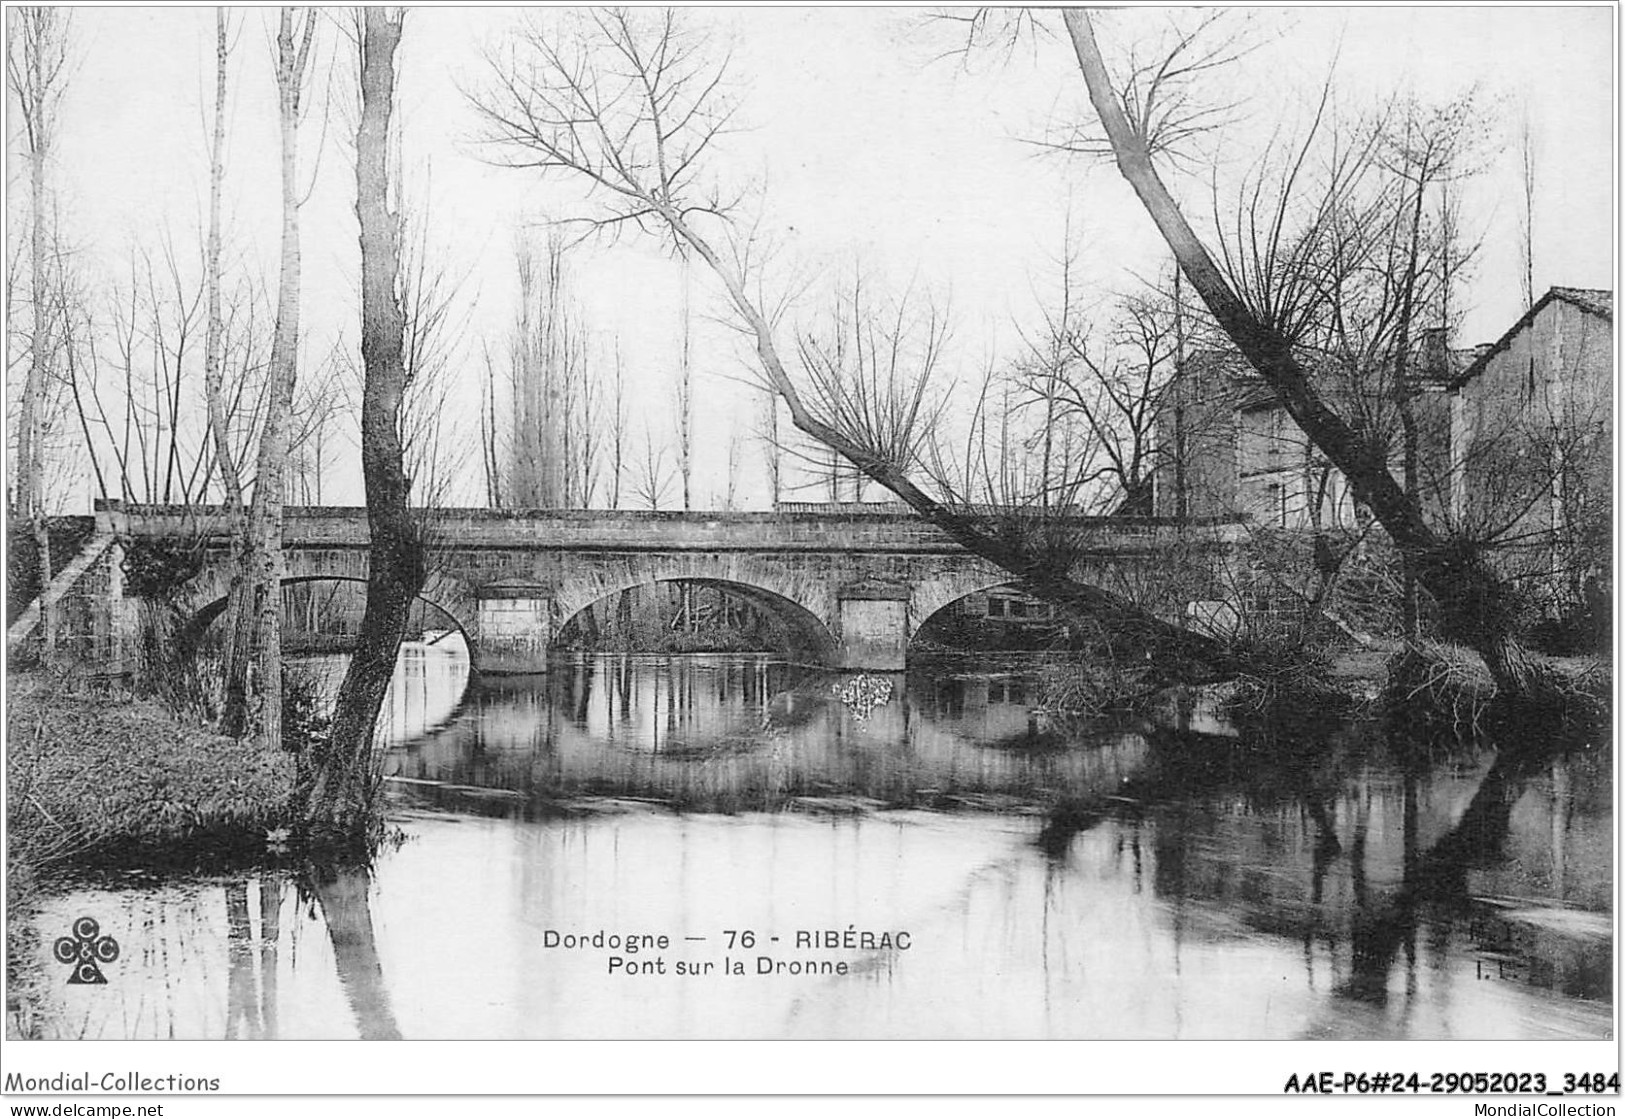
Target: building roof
1593, 301
1599, 302
1433, 366
1226, 372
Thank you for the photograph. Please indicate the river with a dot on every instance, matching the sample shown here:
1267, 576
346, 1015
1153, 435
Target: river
930, 855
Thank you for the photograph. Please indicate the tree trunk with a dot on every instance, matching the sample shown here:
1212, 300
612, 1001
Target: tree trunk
340, 806
238, 641
212, 357
253, 687
1476, 605
685, 404
37, 89
1176, 652
28, 496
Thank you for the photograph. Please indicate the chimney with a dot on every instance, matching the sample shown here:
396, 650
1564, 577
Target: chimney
1435, 355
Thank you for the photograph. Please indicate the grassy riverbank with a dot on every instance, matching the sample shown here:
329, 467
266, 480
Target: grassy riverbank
110, 778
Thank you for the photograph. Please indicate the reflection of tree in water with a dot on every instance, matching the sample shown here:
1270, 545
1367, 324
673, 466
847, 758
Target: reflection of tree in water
193, 966
240, 1021
1435, 878
1192, 772
271, 889
178, 965
1232, 818
342, 893
251, 995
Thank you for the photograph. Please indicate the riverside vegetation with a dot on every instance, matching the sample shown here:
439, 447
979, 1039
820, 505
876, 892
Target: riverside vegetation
99, 776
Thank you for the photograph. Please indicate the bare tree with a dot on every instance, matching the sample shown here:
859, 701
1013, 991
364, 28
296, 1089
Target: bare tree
37, 70
580, 429
78, 345
1423, 149
253, 698
323, 396
1526, 212
767, 434
627, 103
163, 445
1263, 303
494, 452
736, 455
1105, 397
436, 326
683, 400
540, 350
339, 805
213, 358
652, 477
160, 443
1051, 356
617, 430
868, 369
127, 372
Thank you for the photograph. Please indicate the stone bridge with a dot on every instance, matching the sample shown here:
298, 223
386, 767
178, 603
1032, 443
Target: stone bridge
854, 582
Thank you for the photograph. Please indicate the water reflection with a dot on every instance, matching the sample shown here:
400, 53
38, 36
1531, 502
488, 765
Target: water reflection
1168, 878
342, 894
728, 733
431, 677
253, 957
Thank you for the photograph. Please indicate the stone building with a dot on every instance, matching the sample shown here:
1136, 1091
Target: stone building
1229, 449
1531, 444
1514, 443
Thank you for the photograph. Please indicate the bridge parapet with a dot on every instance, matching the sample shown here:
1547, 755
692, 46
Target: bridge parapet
606, 530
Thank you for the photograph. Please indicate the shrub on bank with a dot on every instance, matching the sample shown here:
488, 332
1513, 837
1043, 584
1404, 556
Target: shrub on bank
99, 776
1447, 690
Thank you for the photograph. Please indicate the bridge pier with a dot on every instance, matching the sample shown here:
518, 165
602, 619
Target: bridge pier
513, 629
872, 623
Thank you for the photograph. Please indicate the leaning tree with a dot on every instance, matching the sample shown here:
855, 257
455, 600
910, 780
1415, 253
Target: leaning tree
1270, 285
629, 104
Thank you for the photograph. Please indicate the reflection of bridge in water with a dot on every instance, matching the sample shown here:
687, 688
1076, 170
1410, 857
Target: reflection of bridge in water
853, 583
734, 733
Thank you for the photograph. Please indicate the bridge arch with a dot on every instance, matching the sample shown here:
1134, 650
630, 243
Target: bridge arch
443, 591
932, 596
936, 602
604, 575
805, 633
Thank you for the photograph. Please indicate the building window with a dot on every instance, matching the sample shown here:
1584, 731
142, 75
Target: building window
1261, 439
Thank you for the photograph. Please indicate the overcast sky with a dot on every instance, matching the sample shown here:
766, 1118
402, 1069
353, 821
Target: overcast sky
873, 156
